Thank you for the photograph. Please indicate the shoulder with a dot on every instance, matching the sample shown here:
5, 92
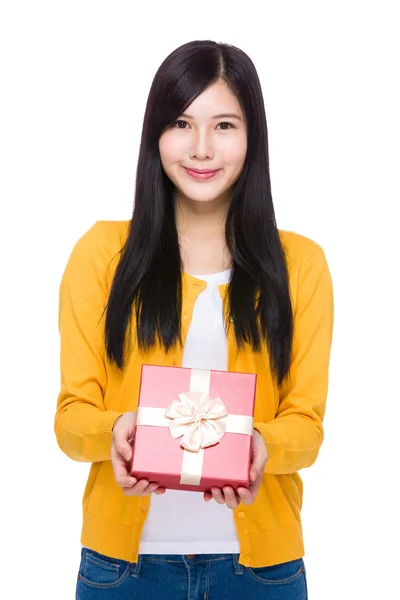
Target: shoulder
111, 234
103, 239
298, 248
97, 250
306, 262
308, 268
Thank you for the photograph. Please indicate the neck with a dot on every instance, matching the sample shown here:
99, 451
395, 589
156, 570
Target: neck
200, 219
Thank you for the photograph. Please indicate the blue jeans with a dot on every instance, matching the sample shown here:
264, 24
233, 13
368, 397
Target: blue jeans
176, 577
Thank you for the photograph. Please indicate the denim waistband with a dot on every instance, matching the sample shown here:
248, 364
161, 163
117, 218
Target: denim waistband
184, 557
185, 560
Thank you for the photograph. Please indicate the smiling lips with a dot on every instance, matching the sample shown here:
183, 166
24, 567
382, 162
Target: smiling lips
201, 173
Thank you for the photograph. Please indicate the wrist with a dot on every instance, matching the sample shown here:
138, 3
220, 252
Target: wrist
115, 422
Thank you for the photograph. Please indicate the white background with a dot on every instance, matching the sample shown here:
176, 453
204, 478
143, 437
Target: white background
74, 82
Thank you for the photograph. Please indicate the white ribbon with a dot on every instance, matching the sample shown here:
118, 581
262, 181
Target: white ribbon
200, 420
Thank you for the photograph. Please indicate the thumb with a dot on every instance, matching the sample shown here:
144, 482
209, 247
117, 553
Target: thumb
258, 459
253, 474
123, 433
123, 448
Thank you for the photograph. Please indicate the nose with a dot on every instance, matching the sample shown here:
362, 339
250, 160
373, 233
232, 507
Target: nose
201, 146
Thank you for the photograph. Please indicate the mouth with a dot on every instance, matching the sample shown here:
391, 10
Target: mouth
201, 173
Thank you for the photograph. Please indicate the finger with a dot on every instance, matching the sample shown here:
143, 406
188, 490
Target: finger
151, 488
246, 496
123, 448
257, 467
207, 496
122, 476
143, 489
230, 497
125, 481
259, 460
119, 467
137, 489
218, 495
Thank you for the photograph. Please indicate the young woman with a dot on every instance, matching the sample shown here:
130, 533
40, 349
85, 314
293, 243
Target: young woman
200, 277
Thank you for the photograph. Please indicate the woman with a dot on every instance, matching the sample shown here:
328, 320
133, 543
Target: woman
200, 277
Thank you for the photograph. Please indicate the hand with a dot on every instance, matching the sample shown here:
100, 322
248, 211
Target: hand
227, 495
121, 455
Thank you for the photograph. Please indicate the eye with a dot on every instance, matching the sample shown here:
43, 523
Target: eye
226, 123
177, 122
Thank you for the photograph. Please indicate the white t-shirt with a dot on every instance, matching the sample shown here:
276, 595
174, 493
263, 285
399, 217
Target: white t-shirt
181, 522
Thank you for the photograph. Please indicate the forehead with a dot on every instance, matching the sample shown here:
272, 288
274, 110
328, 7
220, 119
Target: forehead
218, 98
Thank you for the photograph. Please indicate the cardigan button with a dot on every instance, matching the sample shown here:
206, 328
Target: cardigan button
247, 560
241, 514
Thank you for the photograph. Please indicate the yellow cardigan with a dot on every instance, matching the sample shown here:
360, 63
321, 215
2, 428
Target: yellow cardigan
94, 393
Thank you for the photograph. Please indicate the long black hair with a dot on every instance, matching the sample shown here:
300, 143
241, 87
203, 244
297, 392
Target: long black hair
148, 278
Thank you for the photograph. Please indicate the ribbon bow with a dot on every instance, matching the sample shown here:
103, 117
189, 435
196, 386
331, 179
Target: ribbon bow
200, 419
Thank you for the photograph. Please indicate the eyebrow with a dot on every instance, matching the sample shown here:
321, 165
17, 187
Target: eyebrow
221, 116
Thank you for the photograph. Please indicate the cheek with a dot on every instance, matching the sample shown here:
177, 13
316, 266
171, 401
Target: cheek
170, 150
235, 154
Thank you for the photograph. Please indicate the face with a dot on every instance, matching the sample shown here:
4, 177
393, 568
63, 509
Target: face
201, 140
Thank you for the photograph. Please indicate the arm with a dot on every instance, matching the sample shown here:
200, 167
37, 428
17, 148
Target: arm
294, 437
82, 425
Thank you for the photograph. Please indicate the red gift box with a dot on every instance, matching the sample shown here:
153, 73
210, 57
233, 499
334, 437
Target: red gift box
194, 428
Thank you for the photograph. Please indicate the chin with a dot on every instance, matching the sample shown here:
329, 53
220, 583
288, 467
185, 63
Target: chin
201, 198
201, 192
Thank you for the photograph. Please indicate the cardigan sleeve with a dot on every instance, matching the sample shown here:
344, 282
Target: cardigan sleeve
82, 425
293, 438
